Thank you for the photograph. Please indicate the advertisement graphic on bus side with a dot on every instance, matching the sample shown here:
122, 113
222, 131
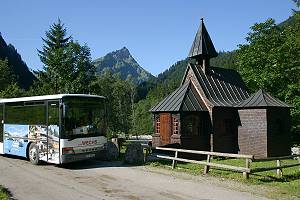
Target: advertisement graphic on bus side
17, 138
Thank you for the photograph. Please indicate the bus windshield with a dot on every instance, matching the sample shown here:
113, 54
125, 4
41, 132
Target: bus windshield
83, 117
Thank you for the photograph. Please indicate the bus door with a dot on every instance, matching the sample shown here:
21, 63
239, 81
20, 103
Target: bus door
1, 129
53, 131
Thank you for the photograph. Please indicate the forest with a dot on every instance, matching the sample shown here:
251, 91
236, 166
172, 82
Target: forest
270, 59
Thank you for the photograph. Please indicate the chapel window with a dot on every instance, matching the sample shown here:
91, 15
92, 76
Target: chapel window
175, 125
157, 126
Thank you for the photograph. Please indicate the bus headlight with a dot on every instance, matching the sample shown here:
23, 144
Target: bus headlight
68, 150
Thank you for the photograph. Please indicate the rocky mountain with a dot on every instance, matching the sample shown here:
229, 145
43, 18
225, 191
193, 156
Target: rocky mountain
121, 62
23, 75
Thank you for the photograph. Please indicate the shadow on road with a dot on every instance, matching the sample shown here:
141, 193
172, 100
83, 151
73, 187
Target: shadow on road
79, 165
14, 157
92, 164
285, 178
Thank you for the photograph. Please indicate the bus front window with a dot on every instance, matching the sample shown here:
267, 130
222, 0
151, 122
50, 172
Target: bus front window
84, 117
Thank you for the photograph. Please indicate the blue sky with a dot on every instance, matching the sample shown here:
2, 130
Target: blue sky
157, 33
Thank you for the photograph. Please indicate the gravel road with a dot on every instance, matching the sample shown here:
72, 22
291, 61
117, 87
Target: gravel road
106, 180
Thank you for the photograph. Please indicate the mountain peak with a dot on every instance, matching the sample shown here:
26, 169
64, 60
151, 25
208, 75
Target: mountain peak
121, 62
121, 54
124, 49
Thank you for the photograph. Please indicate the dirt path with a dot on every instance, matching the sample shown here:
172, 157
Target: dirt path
105, 180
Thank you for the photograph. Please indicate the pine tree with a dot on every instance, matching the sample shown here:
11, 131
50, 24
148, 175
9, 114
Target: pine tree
67, 65
54, 57
56, 38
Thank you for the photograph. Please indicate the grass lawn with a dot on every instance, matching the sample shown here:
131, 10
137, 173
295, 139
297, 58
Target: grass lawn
4, 195
287, 187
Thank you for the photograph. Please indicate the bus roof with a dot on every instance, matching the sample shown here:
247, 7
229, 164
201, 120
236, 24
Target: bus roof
47, 97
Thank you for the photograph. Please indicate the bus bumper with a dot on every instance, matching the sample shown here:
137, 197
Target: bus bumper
77, 157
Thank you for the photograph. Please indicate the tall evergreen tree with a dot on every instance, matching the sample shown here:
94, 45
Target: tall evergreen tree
56, 38
67, 64
54, 57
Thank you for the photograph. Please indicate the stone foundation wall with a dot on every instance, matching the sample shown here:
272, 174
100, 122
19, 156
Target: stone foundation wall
156, 142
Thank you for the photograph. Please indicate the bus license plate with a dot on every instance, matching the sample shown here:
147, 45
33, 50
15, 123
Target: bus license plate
90, 156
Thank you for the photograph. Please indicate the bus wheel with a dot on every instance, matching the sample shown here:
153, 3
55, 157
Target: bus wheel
34, 154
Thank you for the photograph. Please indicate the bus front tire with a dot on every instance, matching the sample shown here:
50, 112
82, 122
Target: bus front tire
34, 154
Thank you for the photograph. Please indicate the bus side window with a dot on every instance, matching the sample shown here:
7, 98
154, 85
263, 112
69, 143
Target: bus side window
53, 126
1, 124
53, 113
30, 113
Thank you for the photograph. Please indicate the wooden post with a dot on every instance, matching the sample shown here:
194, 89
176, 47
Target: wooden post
174, 161
146, 153
206, 167
299, 161
279, 170
246, 174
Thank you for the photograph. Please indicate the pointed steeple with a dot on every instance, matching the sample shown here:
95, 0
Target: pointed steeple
203, 48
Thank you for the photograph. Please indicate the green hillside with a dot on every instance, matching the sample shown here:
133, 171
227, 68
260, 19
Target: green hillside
20, 71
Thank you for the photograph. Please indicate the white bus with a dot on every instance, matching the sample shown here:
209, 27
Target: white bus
54, 128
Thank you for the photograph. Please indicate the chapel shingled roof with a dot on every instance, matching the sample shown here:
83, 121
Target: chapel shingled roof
183, 99
262, 99
222, 87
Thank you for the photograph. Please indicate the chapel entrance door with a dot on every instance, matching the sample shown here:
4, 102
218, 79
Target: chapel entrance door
165, 128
